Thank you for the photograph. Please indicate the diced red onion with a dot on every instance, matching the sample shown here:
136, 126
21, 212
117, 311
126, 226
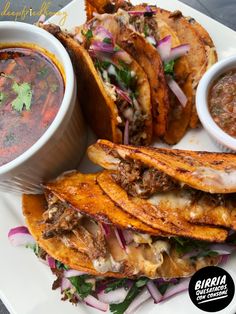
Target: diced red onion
148, 10
137, 12
224, 259
160, 281
20, 229
65, 284
113, 297
139, 300
102, 47
128, 235
164, 47
102, 33
177, 90
124, 56
95, 303
222, 249
124, 95
154, 292
51, 261
106, 228
190, 254
73, 273
42, 19
180, 287
120, 238
126, 133
79, 38
20, 236
178, 52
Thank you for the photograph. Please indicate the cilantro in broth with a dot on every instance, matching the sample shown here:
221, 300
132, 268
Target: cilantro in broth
24, 96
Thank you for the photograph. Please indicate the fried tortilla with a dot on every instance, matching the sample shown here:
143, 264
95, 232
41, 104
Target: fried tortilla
157, 216
154, 258
202, 54
83, 193
204, 171
147, 57
178, 116
114, 93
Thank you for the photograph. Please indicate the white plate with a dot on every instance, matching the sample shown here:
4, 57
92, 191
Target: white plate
25, 283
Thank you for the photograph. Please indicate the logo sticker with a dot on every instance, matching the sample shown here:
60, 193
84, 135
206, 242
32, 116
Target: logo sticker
211, 289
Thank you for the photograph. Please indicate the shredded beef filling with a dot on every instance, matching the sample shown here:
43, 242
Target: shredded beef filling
136, 121
141, 181
145, 24
73, 228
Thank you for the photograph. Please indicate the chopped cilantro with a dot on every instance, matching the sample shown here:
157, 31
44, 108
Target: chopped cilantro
24, 96
88, 34
134, 291
115, 285
82, 287
124, 75
206, 253
107, 40
2, 98
163, 287
184, 246
169, 67
60, 265
146, 30
116, 48
102, 65
53, 88
141, 282
42, 74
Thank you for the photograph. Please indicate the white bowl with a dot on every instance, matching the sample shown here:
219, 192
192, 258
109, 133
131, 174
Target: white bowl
225, 142
61, 147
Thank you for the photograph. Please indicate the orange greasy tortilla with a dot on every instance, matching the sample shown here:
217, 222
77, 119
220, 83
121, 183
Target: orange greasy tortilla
98, 106
200, 170
172, 266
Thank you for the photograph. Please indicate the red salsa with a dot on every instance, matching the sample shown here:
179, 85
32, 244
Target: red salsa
222, 102
31, 92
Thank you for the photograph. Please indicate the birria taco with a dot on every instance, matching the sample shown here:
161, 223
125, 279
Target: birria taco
128, 220
113, 89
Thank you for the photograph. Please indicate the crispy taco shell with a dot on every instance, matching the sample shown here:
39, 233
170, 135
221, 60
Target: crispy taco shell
172, 266
204, 171
100, 109
148, 58
84, 194
202, 53
178, 116
160, 217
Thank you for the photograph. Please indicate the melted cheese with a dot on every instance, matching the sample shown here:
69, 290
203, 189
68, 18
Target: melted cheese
217, 178
175, 199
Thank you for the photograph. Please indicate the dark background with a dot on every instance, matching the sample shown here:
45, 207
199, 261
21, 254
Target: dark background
223, 11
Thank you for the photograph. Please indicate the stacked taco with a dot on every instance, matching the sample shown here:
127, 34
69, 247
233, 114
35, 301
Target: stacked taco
125, 221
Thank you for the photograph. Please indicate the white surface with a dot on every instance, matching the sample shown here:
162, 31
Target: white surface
25, 283
37, 164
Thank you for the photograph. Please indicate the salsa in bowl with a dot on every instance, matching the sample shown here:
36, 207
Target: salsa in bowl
42, 132
216, 103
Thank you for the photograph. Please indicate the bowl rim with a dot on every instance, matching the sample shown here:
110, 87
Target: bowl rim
67, 98
202, 101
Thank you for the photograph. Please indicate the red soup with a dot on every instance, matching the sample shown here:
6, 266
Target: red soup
31, 92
